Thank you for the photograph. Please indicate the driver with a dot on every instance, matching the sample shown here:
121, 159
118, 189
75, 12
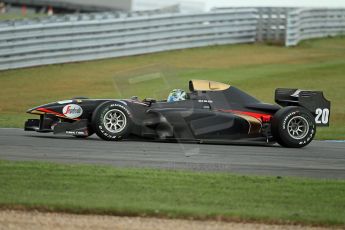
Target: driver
177, 95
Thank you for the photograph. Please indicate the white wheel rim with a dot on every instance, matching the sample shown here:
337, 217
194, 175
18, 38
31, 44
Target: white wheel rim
115, 121
298, 127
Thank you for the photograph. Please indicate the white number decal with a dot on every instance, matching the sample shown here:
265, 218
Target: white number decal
322, 116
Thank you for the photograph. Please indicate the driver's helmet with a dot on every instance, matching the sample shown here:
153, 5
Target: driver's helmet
177, 95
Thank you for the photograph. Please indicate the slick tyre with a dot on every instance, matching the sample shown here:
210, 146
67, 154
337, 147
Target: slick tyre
293, 127
111, 121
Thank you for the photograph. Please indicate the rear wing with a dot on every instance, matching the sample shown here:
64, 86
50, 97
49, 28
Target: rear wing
313, 101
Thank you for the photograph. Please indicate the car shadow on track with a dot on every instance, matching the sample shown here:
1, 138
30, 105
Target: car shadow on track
140, 139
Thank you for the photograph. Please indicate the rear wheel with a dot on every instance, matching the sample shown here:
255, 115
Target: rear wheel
111, 121
293, 127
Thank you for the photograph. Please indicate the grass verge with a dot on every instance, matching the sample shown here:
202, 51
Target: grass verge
172, 194
18, 16
258, 69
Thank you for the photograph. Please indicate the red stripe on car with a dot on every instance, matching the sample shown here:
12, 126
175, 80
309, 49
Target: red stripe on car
55, 113
261, 116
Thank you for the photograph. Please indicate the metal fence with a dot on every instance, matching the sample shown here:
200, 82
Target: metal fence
105, 35
289, 26
304, 24
97, 36
272, 24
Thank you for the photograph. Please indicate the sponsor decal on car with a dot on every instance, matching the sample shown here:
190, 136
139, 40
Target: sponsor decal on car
296, 93
77, 133
205, 101
64, 102
72, 111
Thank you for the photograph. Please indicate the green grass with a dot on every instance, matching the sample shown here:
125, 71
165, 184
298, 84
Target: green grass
256, 68
172, 194
17, 16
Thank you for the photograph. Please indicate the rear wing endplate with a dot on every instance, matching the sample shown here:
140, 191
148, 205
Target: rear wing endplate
313, 101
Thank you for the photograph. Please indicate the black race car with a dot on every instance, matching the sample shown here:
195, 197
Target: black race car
210, 112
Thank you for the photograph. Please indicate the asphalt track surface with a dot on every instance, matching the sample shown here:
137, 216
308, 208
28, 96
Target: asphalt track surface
321, 159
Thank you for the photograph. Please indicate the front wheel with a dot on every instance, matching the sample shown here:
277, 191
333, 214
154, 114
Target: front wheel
293, 127
111, 121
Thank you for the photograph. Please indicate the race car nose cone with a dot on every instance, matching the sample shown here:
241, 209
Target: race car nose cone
35, 111
31, 110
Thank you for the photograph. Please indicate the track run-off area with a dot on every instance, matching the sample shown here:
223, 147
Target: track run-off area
320, 159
